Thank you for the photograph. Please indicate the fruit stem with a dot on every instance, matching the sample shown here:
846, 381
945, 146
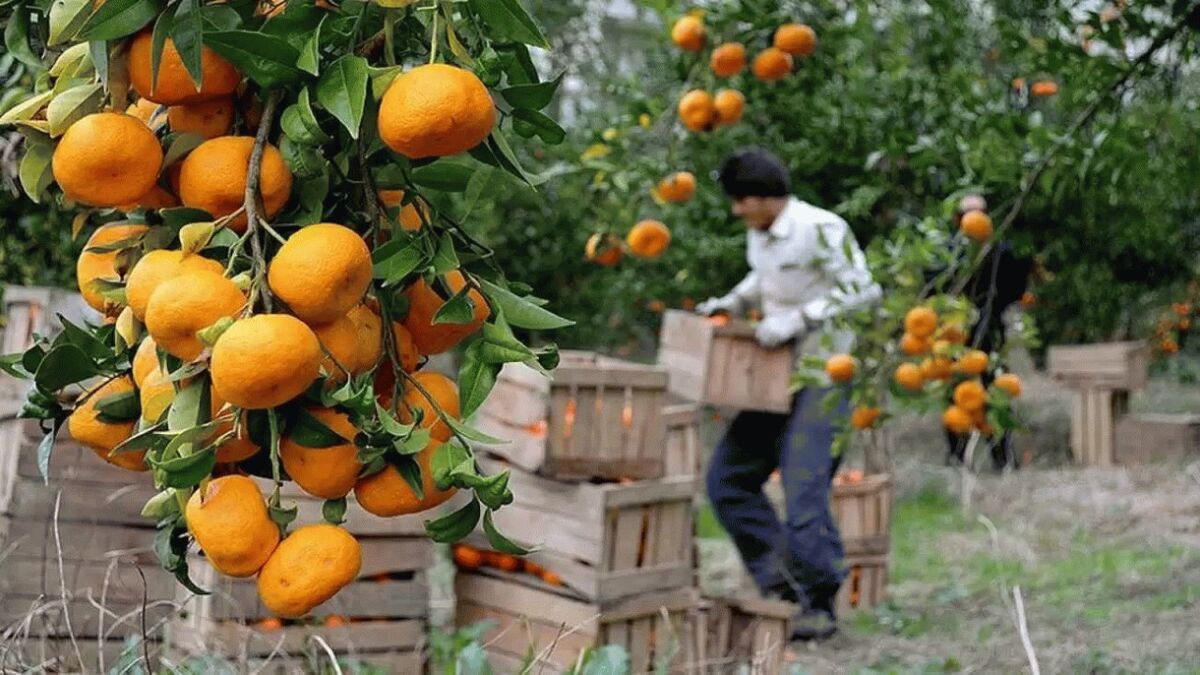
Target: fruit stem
433, 42
389, 32
275, 470
252, 197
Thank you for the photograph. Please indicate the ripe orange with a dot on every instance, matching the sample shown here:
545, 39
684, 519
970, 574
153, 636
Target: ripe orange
1168, 346
1028, 299
937, 368
1009, 383
1043, 88
265, 361
156, 198
387, 494
551, 578
796, 39
909, 376
92, 266
973, 362
977, 225
970, 396
158, 266
107, 159
840, 367
648, 239
230, 522
368, 329
155, 393
86, 427
328, 473
729, 104
697, 110
443, 390
213, 178
410, 216
1181, 309
921, 322
506, 562
174, 85
912, 345
435, 110
145, 360
321, 272
957, 420
864, 417
772, 64
308, 568
145, 110
728, 59
407, 355
237, 447
688, 33
952, 333
603, 249
340, 340
186, 304
423, 304
678, 187
467, 558
209, 119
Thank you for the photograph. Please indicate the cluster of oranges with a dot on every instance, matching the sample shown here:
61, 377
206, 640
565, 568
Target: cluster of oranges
201, 323
1039, 89
648, 239
470, 558
700, 110
1171, 328
945, 358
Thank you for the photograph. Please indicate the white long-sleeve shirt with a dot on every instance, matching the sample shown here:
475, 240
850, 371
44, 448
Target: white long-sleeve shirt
804, 269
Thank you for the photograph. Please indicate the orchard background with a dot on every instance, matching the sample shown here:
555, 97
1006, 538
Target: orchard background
903, 108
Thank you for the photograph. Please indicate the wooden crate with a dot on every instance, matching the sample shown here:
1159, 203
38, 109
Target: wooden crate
865, 584
1112, 365
863, 514
666, 626
681, 454
723, 365
1146, 437
606, 541
748, 632
1094, 412
596, 417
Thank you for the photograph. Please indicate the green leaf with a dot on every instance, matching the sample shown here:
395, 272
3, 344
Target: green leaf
445, 459
532, 96
479, 184
187, 471
504, 154
334, 511
36, 171
381, 79
342, 90
91, 345
473, 434
305, 161
98, 49
445, 175
63, 365
187, 33
607, 660
508, 21
266, 59
501, 346
500, 542
72, 105
457, 310
310, 55
410, 471
116, 19
190, 407
445, 259
396, 260
310, 432
120, 407
45, 449
453, 527
220, 17
491, 490
142, 440
158, 42
66, 18
283, 517
178, 146
476, 378
546, 128
16, 39
414, 443
75, 61
522, 312
27, 109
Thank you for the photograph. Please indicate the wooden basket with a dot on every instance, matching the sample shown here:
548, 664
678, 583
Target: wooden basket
666, 626
865, 584
863, 514
681, 455
748, 632
604, 541
597, 418
724, 365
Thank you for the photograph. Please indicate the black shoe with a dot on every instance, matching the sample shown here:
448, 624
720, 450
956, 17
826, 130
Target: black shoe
813, 624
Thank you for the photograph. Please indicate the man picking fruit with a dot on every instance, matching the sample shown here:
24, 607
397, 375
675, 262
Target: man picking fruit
805, 269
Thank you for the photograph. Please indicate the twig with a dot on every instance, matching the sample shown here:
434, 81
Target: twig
337, 668
1024, 630
251, 197
1094, 107
62, 583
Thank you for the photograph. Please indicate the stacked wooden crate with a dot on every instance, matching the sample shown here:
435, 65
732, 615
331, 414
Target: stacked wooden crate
1100, 377
862, 508
380, 620
604, 481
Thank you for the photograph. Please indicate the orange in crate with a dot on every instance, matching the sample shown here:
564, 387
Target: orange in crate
270, 624
551, 578
467, 557
335, 621
506, 562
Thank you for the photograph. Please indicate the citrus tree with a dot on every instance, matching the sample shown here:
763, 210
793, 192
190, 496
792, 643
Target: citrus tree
259, 188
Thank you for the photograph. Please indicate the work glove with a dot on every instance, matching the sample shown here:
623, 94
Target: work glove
728, 305
774, 330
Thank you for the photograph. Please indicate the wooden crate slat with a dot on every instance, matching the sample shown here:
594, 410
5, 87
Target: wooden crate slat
389, 662
393, 599
525, 633
681, 456
231, 637
30, 538
387, 555
1112, 365
1146, 437
675, 488
120, 616
57, 654
865, 584
28, 577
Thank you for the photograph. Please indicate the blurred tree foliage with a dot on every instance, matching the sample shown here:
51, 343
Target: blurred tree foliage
903, 105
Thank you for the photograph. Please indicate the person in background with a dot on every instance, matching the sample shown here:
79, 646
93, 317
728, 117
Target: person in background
999, 282
805, 269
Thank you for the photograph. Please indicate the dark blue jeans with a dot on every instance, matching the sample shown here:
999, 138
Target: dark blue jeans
801, 560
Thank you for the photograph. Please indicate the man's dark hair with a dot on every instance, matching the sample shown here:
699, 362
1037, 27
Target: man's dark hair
754, 172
